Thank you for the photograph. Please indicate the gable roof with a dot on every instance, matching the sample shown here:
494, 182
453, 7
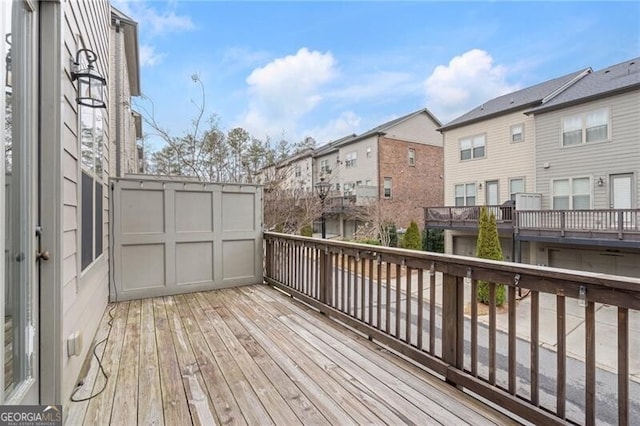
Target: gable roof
521, 99
619, 78
386, 126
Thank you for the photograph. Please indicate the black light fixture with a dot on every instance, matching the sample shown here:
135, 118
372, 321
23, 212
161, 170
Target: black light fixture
600, 181
323, 190
90, 83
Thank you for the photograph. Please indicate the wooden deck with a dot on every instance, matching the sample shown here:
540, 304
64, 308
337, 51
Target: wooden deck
252, 355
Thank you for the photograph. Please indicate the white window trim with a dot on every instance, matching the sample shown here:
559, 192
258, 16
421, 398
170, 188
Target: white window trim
524, 185
582, 116
384, 195
571, 194
410, 157
511, 133
466, 196
484, 135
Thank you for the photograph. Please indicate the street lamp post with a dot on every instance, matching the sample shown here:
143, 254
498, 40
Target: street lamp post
323, 190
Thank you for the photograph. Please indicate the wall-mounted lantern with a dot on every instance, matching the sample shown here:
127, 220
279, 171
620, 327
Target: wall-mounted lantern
90, 83
600, 181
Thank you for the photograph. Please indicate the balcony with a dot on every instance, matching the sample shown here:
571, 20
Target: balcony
348, 333
466, 218
618, 227
361, 196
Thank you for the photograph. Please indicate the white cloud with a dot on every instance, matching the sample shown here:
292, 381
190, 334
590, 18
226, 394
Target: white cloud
466, 82
149, 57
157, 17
286, 89
345, 124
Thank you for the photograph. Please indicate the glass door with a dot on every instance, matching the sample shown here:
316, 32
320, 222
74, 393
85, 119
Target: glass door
19, 384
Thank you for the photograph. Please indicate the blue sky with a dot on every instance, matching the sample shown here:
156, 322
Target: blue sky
328, 69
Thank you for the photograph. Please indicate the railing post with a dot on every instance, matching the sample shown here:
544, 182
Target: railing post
269, 258
620, 224
325, 289
562, 223
452, 308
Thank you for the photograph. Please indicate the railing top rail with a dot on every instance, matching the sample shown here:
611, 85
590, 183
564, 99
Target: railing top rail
443, 262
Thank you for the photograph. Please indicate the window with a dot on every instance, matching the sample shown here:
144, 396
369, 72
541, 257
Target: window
368, 152
516, 186
472, 147
324, 167
348, 188
387, 187
351, 159
298, 171
358, 183
517, 133
465, 194
589, 127
571, 194
412, 157
367, 182
91, 147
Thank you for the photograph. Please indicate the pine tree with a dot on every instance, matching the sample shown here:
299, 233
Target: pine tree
412, 237
488, 247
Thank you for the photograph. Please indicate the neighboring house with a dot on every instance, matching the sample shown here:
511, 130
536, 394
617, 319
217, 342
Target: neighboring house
488, 157
297, 171
396, 166
580, 159
54, 217
588, 158
125, 68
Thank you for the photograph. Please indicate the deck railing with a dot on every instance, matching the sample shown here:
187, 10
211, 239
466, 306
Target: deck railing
422, 306
604, 223
617, 222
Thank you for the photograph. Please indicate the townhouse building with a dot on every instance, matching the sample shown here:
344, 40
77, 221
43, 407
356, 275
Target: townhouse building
557, 163
393, 170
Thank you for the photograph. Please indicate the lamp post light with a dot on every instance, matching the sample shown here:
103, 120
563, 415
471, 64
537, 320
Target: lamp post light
323, 190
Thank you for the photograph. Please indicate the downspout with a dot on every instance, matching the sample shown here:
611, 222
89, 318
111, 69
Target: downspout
117, 94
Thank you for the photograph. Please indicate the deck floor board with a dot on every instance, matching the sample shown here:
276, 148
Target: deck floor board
251, 355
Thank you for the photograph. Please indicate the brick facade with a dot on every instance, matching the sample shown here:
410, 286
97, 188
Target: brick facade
413, 187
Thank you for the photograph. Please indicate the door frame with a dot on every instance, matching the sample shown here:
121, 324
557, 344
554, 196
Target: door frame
51, 203
611, 190
486, 191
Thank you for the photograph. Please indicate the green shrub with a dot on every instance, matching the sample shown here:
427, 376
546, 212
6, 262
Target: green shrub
412, 237
433, 240
370, 241
488, 247
306, 231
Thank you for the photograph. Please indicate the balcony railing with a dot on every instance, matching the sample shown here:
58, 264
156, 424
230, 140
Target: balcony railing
465, 216
621, 224
423, 306
609, 224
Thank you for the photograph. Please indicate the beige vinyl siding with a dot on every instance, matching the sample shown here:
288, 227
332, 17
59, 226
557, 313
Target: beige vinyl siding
600, 159
84, 295
334, 176
418, 129
503, 159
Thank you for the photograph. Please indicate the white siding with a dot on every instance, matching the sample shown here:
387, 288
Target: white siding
84, 295
619, 155
503, 159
